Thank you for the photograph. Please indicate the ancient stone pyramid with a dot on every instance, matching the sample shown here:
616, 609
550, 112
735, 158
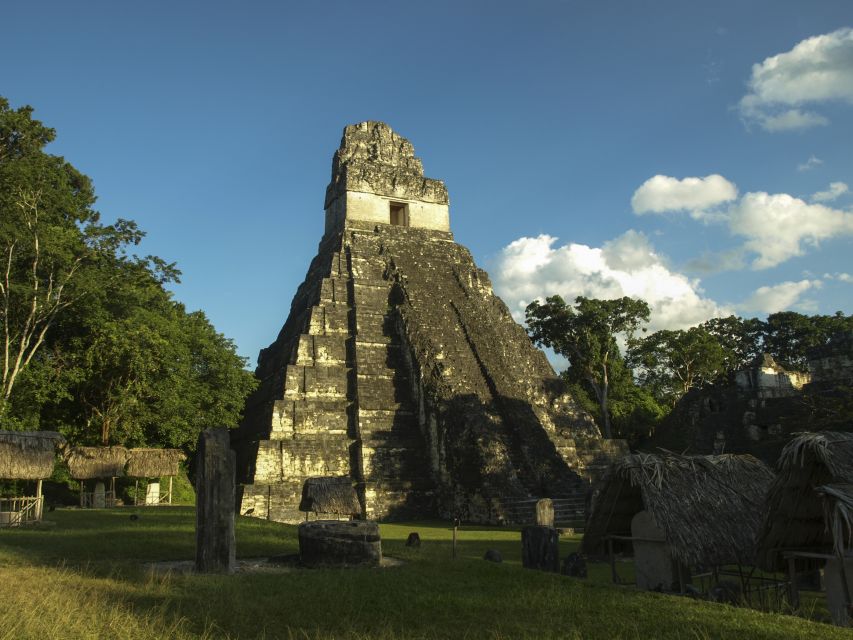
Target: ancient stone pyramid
400, 369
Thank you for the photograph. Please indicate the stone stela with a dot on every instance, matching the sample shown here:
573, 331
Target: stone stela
400, 370
215, 542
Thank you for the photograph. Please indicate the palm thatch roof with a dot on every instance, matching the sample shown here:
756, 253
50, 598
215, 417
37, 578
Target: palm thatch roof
28, 455
153, 463
87, 463
708, 507
329, 495
796, 517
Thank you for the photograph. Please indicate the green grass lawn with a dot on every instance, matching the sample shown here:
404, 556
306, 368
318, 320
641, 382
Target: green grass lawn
85, 578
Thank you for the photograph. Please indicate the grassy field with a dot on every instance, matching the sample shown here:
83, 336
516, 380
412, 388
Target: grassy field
86, 578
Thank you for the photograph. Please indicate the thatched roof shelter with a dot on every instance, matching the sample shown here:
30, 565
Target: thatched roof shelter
796, 516
329, 495
28, 455
87, 463
708, 507
153, 463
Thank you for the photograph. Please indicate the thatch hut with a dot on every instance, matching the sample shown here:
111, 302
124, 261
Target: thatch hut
154, 463
695, 510
99, 464
809, 518
26, 455
329, 496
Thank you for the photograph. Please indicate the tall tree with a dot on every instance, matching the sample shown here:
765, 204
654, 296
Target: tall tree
740, 338
93, 343
50, 239
788, 335
586, 335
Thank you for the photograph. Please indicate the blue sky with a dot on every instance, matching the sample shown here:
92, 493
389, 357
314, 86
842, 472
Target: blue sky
682, 151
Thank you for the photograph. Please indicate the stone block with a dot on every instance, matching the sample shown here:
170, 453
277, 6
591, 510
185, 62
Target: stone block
540, 548
335, 543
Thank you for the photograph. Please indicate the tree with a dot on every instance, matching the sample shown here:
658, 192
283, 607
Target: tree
741, 340
586, 336
788, 335
50, 239
670, 363
94, 344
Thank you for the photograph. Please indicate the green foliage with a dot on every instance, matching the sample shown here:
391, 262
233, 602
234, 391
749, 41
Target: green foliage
52, 242
670, 363
586, 336
93, 343
740, 339
789, 335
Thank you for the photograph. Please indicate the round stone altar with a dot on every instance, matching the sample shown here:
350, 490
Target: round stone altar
335, 542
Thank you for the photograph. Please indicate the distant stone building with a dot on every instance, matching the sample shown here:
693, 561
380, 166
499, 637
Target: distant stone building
399, 369
763, 407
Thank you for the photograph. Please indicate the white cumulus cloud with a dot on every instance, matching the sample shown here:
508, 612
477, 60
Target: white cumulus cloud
836, 189
780, 297
534, 268
778, 226
663, 193
818, 69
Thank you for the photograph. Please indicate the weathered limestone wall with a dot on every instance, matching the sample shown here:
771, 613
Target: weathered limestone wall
767, 379
760, 412
369, 207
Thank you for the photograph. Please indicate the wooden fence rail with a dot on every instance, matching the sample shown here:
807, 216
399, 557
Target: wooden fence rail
569, 511
17, 511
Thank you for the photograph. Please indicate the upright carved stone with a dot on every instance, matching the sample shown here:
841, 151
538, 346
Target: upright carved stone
215, 547
545, 513
399, 368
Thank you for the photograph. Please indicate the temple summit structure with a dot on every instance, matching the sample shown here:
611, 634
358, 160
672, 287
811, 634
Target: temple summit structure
398, 369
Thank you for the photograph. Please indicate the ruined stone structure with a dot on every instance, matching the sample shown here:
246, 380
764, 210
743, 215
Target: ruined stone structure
401, 370
762, 407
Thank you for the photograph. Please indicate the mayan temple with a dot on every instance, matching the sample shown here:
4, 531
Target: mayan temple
399, 369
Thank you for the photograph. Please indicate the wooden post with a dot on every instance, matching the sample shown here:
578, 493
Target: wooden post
81, 493
455, 527
136, 492
112, 501
39, 500
845, 587
793, 592
215, 502
613, 575
170, 489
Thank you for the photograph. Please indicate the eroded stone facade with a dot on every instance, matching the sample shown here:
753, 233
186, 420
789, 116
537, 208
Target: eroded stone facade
399, 368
